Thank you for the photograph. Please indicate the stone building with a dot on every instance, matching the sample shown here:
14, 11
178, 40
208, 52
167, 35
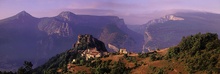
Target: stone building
123, 51
91, 53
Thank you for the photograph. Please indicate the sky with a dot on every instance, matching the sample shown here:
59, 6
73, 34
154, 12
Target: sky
134, 12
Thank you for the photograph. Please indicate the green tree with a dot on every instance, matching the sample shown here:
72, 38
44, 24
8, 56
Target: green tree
81, 62
27, 69
21, 70
199, 52
153, 57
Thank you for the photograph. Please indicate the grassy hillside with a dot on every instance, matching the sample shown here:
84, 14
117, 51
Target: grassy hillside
195, 54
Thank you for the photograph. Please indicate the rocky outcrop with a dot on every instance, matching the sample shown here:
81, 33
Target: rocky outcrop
89, 47
87, 41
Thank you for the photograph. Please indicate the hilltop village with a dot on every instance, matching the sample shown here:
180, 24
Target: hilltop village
89, 47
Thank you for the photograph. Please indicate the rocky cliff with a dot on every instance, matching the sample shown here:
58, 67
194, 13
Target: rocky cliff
88, 41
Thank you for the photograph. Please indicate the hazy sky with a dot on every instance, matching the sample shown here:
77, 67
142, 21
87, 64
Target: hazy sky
132, 11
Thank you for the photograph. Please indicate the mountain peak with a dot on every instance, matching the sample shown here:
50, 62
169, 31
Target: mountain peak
172, 17
165, 18
23, 14
66, 13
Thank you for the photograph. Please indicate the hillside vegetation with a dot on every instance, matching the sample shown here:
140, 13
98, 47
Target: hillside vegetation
198, 52
195, 54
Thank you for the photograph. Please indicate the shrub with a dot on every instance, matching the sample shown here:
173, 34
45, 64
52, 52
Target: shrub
199, 52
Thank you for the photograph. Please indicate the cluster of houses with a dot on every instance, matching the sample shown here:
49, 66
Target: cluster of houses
91, 53
94, 53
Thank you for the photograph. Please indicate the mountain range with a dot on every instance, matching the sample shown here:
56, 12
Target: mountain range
24, 37
168, 30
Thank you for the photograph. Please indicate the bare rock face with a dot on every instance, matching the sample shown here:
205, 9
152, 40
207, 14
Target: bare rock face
53, 27
87, 41
111, 34
67, 25
164, 19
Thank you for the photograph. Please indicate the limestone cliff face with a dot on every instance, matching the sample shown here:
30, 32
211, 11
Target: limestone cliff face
54, 27
164, 19
111, 34
67, 25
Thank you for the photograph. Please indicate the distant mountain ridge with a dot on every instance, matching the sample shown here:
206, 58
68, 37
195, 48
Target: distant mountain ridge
44, 37
168, 30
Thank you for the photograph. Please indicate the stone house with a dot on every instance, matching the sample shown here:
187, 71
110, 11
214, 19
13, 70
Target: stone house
123, 51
